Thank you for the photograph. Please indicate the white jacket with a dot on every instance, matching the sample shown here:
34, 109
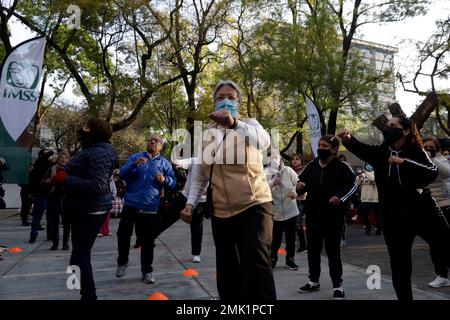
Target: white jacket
189, 164
284, 207
440, 188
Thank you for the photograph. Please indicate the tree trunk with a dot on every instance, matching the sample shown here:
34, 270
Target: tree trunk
332, 119
299, 146
425, 109
420, 116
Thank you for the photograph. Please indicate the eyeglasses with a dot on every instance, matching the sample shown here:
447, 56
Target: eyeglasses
221, 98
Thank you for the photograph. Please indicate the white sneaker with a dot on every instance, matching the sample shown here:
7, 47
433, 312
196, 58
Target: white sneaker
439, 282
148, 278
196, 259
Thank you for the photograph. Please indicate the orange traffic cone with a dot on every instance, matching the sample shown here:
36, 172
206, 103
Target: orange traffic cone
158, 296
190, 273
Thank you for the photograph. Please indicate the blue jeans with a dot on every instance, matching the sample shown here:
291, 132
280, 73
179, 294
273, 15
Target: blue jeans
40, 204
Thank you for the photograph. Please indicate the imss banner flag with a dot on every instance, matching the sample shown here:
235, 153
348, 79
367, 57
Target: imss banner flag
20, 85
314, 124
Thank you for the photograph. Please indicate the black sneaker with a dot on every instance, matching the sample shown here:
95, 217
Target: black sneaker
309, 288
291, 264
32, 239
338, 294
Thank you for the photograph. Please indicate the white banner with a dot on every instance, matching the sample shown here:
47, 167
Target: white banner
314, 125
20, 85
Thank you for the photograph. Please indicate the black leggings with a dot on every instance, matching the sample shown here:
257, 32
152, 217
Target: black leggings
400, 227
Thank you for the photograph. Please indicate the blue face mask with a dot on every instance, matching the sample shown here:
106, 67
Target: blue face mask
369, 168
228, 105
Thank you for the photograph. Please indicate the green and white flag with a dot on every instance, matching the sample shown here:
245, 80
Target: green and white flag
314, 124
20, 86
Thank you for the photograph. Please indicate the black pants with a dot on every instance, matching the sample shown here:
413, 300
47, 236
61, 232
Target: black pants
196, 227
54, 212
400, 227
289, 227
366, 208
85, 228
26, 204
172, 214
325, 225
300, 231
146, 226
244, 270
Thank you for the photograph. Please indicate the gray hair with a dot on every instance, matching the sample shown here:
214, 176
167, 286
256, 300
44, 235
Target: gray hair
229, 83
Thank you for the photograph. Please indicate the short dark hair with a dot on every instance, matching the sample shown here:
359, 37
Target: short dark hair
100, 129
331, 139
41, 152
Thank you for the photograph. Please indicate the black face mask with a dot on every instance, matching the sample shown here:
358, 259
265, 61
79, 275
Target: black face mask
392, 135
432, 152
323, 154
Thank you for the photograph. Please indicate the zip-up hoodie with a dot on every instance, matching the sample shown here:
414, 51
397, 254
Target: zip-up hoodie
143, 191
284, 207
321, 184
397, 184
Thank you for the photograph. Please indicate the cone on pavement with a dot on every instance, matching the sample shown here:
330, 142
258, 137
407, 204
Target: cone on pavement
15, 250
190, 273
158, 296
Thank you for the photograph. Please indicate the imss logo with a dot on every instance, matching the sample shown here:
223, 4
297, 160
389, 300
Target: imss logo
22, 78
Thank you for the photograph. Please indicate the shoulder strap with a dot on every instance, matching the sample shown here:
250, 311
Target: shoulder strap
212, 165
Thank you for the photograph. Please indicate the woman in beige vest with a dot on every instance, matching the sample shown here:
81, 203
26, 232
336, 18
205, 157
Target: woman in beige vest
369, 199
242, 217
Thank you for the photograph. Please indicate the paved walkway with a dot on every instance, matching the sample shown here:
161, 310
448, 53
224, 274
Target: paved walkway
38, 273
